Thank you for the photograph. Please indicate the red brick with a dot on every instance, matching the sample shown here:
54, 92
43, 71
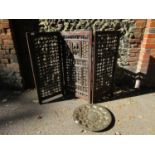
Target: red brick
132, 63
4, 61
152, 24
132, 54
152, 50
153, 53
5, 24
9, 35
7, 46
134, 40
13, 66
148, 45
137, 29
144, 51
149, 40
137, 54
141, 24
8, 42
2, 35
134, 50
135, 45
149, 35
144, 62
132, 59
144, 59
144, 66
140, 20
137, 35
4, 20
8, 30
5, 36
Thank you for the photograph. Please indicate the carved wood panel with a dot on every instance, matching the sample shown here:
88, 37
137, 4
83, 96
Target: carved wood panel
77, 62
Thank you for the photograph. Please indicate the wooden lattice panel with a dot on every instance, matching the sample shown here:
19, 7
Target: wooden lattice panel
64, 64
46, 62
106, 47
77, 62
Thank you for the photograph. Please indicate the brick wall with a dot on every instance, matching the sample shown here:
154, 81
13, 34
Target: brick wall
9, 67
134, 42
146, 61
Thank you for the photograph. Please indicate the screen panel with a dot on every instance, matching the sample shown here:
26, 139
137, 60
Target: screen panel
77, 63
105, 57
46, 62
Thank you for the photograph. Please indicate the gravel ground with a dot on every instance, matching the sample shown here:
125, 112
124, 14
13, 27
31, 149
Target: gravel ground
21, 114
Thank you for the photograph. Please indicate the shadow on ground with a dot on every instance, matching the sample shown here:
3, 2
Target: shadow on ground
16, 117
124, 85
17, 106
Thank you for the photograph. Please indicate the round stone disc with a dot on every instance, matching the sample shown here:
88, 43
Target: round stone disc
92, 117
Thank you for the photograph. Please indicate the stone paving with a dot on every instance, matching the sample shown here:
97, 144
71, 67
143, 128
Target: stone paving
21, 114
